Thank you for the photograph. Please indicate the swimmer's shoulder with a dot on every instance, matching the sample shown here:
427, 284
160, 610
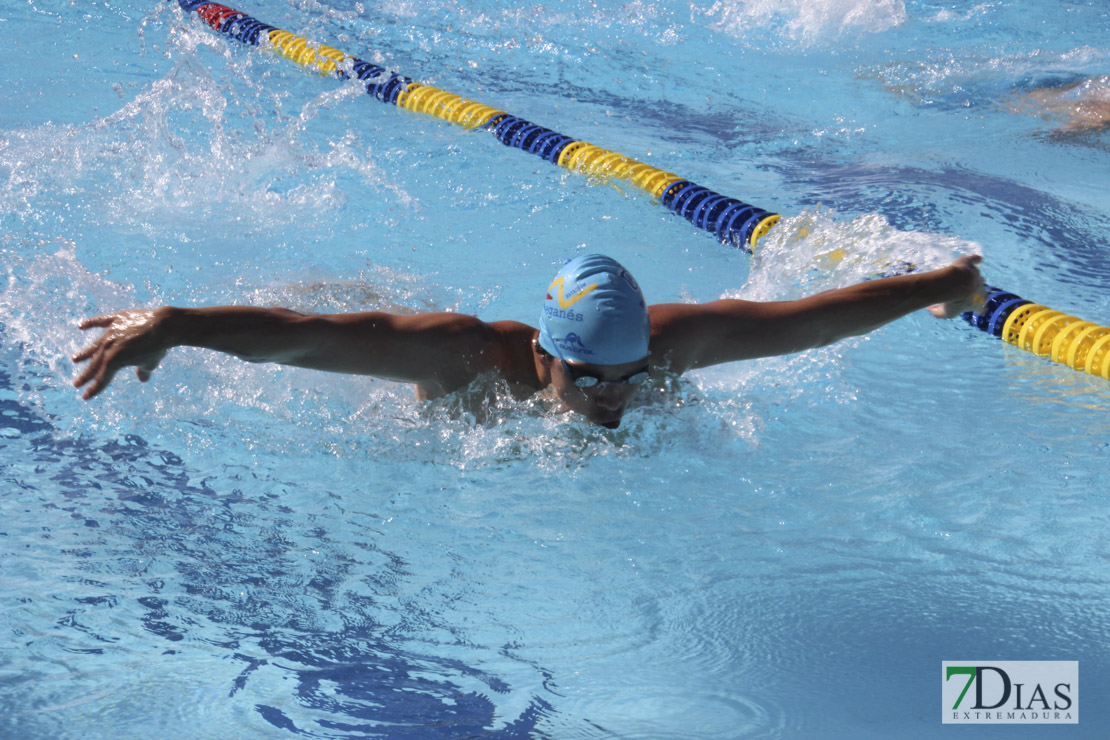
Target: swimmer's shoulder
512, 356
677, 331
468, 349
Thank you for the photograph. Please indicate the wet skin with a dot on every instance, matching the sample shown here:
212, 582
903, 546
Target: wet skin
441, 353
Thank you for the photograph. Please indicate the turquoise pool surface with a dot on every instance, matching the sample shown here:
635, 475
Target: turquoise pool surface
785, 548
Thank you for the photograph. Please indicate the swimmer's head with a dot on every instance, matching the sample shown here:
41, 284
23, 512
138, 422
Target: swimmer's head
594, 313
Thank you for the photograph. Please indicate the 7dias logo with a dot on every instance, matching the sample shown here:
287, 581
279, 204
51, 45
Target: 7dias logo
1010, 692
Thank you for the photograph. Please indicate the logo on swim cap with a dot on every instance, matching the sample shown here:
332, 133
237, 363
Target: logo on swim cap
568, 302
594, 312
572, 344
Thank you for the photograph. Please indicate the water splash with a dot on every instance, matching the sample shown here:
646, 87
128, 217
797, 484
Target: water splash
208, 145
806, 22
44, 296
815, 251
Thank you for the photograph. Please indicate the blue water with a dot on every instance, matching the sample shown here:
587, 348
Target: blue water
783, 548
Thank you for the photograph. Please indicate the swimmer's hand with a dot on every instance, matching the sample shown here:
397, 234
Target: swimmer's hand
967, 287
131, 338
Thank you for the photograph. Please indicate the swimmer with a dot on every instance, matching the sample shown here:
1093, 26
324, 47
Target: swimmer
598, 341
1080, 106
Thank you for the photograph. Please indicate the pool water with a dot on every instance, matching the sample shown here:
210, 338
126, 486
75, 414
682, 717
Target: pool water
782, 548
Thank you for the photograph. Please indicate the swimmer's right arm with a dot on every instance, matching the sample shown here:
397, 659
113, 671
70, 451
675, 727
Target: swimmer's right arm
438, 351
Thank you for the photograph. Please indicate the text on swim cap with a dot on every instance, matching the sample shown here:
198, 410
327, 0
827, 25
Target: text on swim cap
557, 313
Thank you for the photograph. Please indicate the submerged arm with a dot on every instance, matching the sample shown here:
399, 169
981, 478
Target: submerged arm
699, 335
437, 351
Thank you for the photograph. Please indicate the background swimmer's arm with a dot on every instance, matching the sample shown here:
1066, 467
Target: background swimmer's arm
687, 336
438, 351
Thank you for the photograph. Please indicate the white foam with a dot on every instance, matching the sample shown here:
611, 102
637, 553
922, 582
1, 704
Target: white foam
44, 297
806, 20
815, 251
946, 16
204, 143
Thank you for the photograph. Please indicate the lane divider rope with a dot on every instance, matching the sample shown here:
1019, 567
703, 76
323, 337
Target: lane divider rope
1068, 340
730, 220
1064, 339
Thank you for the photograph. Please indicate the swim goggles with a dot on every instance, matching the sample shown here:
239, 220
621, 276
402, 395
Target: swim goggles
583, 379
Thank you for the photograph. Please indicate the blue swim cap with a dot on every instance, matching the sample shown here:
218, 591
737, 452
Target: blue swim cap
594, 312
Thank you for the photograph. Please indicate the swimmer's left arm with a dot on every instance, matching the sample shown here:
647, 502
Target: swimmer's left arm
689, 336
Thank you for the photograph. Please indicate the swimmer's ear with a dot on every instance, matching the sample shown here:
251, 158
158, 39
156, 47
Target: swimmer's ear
544, 355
